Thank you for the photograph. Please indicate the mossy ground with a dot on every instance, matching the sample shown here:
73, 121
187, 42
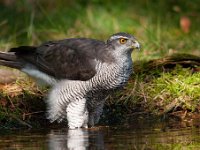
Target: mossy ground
162, 89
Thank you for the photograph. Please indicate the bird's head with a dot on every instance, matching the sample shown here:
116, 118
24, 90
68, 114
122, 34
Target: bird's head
123, 42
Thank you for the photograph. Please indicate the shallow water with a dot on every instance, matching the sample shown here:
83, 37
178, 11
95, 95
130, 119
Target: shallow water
129, 137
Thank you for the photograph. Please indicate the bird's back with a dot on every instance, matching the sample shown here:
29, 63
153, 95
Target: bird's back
72, 59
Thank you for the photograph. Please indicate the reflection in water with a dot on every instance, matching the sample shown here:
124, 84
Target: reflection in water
136, 138
74, 139
80, 139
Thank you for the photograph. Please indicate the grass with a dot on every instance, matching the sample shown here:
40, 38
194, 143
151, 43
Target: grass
156, 24
21, 104
180, 87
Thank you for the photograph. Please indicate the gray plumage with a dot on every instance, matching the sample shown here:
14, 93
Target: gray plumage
81, 71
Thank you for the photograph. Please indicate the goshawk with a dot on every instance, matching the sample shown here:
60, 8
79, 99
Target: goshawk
81, 71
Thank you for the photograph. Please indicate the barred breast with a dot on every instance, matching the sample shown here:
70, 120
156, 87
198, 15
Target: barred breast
68, 98
111, 76
108, 78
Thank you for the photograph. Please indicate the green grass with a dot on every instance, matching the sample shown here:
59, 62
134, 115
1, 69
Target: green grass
180, 87
154, 23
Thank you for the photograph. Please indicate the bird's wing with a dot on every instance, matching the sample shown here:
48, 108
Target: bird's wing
73, 59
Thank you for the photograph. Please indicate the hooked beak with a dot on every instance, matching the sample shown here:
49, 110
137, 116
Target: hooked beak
136, 45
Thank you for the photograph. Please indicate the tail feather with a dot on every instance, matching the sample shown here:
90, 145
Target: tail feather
8, 56
23, 50
10, 60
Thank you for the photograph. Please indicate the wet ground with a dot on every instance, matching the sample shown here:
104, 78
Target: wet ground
155, 136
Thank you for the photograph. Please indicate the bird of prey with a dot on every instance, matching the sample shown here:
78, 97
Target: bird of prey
81, 71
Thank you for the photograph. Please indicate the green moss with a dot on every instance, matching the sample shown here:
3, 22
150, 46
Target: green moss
180, 86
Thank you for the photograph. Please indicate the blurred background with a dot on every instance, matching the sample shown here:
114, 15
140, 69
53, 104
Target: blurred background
162, 27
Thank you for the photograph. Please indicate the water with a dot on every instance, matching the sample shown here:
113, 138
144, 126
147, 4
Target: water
110, 138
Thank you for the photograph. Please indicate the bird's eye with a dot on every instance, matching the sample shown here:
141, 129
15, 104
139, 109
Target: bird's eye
122, 40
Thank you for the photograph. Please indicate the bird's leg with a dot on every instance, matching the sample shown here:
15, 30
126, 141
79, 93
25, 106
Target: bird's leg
95, 113
77, 114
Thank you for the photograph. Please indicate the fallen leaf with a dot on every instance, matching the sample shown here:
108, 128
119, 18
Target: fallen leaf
185, 24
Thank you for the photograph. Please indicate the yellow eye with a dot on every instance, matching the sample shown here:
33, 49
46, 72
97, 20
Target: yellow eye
122, 40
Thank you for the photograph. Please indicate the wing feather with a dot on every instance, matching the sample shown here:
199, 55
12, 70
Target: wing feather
73, 59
